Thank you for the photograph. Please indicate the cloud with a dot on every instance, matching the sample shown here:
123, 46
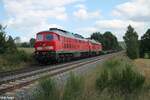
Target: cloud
30, 8
38, 28
81, 6
87, 31
137, 10
117, 26
29, 16
134, 12
83, 14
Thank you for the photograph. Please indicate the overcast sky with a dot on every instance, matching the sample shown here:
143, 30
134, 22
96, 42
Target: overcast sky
24, 18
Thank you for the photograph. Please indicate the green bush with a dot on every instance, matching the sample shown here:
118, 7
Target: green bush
12, 61
147, 55
48, 90
73, 88
23, 56
131, 81
126, 81
112, 63
102, 81
17, 57
123, 81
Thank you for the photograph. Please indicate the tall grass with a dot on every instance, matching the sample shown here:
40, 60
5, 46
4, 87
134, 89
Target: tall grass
102, 81
14, 60
74, 88
116, 80
119, 79
48, 90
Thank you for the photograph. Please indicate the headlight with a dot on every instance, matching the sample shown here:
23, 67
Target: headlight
45, 48
49, 47
39, 48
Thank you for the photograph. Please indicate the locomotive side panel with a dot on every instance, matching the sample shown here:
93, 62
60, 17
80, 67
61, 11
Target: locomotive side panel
59, 45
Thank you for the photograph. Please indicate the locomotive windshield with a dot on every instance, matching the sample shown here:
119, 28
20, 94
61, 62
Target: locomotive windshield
39, 37
49, 37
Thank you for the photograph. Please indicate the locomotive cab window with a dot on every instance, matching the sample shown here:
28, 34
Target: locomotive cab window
49, 37
39, 37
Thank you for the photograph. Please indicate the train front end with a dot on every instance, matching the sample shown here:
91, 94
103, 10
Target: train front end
44, 47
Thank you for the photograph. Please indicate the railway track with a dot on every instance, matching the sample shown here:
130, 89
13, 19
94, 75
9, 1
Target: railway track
16, 81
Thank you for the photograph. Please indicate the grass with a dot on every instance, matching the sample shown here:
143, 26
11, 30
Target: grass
48, 90
16, 60
115, 79
143, 66
27, 50
74, 88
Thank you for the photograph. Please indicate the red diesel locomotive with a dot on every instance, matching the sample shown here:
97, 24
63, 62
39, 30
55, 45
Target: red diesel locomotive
60, 45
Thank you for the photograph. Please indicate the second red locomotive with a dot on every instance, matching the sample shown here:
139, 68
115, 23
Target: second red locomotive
60, 45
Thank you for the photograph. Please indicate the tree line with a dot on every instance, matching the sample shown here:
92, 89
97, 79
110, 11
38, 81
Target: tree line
108, 40
137, 48
7, 44
134, 48
29, 44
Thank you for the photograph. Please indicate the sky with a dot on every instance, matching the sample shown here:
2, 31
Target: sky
25, 18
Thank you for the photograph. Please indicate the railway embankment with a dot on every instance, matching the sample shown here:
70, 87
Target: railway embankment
61, 78
117, 78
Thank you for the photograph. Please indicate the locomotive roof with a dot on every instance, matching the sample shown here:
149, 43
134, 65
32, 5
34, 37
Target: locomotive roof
70, 35
67, 34
93, 41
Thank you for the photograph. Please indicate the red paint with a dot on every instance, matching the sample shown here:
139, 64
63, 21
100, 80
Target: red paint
65, 43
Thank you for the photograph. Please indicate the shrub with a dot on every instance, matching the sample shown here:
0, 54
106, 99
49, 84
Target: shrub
12, 61
147, 55
73, 88
123, 81
23, 56
131, 81
48, 90
112, 63
17, 57
102, 81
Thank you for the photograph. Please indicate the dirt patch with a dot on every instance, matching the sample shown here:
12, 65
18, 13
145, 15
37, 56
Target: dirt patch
143, 65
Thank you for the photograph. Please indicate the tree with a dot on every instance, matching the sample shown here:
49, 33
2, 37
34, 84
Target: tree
7, 44
111, 41
32, 41
25, 44
131, 40
17, 40
145, 43
98, 37
108, 40
11, 46
2, 39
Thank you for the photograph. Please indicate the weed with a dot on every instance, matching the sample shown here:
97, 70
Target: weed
102, 80
14, 60
73, 88
120, 81
48, 90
